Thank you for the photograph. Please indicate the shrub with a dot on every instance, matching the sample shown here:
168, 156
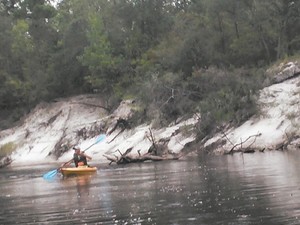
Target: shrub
225, 96
7, 149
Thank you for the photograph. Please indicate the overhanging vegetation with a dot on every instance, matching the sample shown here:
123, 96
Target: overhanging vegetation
175, 57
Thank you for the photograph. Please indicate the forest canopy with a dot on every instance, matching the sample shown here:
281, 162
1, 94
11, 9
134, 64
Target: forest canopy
176, 57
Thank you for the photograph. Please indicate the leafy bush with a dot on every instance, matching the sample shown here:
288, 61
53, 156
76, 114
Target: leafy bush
220, 95
226, 97
7, 149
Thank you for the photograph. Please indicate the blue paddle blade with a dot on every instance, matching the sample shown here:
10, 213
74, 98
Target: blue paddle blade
100, 138
51, 174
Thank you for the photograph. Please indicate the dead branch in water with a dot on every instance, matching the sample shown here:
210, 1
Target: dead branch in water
128, 158
246, 149
152, 140
157, 152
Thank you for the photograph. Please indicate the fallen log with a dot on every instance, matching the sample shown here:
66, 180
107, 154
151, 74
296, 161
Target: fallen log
157, 152
126, 158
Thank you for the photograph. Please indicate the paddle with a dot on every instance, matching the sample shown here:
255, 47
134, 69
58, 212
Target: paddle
49, 175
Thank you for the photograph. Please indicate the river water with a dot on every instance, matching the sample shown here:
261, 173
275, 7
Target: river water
259, 188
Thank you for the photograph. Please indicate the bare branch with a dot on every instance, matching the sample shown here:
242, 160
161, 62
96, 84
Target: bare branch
242, 142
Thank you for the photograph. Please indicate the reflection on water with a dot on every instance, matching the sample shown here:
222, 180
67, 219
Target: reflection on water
258, 189
82, 184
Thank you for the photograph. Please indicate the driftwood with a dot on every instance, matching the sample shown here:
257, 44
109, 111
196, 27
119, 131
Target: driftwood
153, 148
239, 146
157, 152
128, 158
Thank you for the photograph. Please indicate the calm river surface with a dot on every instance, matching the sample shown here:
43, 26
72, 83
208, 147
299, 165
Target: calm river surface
260, 188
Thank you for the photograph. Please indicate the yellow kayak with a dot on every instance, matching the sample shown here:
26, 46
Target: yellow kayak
80, 170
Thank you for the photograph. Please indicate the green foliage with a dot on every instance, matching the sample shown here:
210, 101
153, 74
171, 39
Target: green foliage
98, 57
159, 51
219, 95
229, 97
22, 43
7, 149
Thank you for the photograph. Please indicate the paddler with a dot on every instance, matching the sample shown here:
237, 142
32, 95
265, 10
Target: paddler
79, 157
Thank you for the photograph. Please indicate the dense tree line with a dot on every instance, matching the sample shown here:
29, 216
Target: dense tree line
177, 57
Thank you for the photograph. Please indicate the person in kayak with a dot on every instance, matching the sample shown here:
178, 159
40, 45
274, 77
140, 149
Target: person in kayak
80, 158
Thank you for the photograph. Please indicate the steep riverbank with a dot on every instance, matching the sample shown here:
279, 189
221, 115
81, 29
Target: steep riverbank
51, 129
276, 126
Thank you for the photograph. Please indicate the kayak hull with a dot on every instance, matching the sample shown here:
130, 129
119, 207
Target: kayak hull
81, 170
